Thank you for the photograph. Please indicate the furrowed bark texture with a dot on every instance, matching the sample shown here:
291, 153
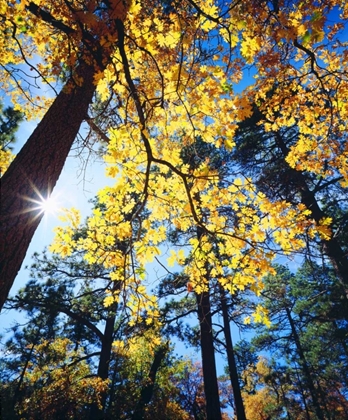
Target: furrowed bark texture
35, 171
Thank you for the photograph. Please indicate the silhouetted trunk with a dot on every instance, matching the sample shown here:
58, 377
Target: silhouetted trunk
97, 413
113, 385
232, 367
305, 368
147, 390
104, 363
303, 395
211, 389
105, 354
18, 389
35, 171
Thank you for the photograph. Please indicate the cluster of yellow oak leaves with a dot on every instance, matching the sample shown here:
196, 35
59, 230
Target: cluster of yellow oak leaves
179, 75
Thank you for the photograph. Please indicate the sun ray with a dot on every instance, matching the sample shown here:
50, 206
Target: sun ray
42, 205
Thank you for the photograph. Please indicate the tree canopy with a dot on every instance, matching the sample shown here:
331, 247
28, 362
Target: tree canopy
164, 74
223, 126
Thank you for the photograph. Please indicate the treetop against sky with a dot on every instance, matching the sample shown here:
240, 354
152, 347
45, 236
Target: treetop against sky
152, 78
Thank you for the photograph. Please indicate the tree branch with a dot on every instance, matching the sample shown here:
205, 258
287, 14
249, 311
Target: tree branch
47, 17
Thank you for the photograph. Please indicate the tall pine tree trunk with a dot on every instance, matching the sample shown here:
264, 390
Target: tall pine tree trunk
35, 171
232, 367
211, 389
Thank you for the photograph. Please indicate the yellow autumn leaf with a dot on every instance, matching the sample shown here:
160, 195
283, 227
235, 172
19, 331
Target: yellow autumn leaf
108, 301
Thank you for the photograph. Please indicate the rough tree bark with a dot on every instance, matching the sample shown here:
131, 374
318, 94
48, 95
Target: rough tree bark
36, 170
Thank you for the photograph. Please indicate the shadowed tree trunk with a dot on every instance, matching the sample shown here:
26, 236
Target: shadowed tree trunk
211, 389
147, 390
35, 171
104, 363
232, 367
37, 167
105, 355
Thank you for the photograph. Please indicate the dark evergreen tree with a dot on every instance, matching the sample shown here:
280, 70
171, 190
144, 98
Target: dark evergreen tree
261, 154
308, 340
9, 123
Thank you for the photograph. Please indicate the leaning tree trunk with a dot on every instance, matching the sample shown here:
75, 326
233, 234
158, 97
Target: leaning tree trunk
35, 171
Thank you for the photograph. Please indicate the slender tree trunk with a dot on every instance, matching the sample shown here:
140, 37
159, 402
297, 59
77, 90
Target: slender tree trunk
305, 368
104, 363
35, 171
105, 354
232, 367
211, 389
18, 389
113, 385
147, 390
106, 351
303, 395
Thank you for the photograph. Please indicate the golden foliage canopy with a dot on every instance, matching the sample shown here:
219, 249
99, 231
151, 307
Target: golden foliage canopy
178, 72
